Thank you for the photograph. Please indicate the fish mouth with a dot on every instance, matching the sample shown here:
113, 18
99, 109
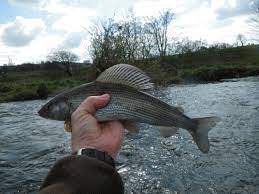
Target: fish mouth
42, 112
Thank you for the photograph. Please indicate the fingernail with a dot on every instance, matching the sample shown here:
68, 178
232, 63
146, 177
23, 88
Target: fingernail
105, 96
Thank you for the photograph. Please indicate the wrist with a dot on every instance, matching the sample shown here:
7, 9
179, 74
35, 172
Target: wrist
82, 141
88, 143
99, 155
78, 149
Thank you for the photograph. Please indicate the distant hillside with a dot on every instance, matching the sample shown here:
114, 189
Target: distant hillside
213, 64
213, 56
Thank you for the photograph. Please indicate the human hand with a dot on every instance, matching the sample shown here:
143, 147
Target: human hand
87, 132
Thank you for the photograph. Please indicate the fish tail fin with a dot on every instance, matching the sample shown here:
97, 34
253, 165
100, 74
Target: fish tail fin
200, 133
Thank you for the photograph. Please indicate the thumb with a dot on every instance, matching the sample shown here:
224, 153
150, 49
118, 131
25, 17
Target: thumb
92, 103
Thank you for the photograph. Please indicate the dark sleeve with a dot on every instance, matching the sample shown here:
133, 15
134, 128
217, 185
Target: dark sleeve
82, 174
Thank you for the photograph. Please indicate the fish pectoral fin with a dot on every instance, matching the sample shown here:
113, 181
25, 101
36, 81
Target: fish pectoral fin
127, 75
68, 126
167, 131
131, 126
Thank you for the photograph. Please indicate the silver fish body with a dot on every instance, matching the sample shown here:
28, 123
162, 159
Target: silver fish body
126, 104
129, 104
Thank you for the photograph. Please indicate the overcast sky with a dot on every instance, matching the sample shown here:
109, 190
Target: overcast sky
30, 29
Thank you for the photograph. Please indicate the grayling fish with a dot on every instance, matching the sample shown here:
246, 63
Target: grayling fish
129, 104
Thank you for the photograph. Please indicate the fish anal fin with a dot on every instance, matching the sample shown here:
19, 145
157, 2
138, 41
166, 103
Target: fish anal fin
167, 131
127, 75
131, 126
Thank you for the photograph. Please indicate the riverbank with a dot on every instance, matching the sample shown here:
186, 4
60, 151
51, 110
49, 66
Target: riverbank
209, 65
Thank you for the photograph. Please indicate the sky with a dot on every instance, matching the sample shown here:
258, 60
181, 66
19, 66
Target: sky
30, 29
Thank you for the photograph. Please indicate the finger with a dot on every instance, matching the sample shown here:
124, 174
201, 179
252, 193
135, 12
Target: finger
92, 103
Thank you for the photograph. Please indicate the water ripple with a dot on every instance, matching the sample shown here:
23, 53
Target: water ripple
30, 145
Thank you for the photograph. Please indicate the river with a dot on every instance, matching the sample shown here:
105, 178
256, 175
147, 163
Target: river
148, 163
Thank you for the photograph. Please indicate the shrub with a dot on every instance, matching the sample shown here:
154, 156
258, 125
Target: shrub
5, 88
25, 94
42, 91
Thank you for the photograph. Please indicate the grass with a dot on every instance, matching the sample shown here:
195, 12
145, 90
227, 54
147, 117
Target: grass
221, 71
24, 85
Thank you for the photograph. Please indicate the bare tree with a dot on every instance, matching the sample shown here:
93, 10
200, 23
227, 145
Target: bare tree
241, 39
158, 27
102, 48
254, 22
65, 58
220, 45
137, 42
187, 46
115, 42
128, 41
3, 71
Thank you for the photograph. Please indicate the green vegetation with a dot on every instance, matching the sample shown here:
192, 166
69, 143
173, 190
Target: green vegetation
29, 85
214, 64
26, 83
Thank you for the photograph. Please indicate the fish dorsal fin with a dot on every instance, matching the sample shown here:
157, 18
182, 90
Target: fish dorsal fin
127, 75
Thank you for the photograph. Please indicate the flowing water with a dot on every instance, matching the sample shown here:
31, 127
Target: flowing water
148, 163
